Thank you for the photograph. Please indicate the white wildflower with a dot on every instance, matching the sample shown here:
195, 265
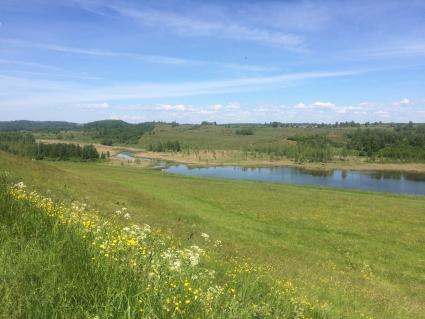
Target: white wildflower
146, 228
135, 227
198, 249
213, 293
20, 185
194, 259
176, 266
205, 236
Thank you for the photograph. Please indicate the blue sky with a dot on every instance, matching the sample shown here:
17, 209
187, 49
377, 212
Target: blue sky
224, 61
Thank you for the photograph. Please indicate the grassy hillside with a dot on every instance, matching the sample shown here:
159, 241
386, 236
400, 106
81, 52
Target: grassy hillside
64, 261
107, 132
360, 253
225, 136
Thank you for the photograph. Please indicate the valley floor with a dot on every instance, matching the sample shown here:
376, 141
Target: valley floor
239, 158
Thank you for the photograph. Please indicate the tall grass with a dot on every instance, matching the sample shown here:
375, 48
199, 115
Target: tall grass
65, 261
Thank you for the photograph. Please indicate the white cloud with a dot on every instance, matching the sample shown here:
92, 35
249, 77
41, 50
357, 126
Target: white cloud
330, 107
366, 103
300, 106
103, 105
174, 108
351, 109
233, 106
382, 113
323, 105
404, 101
185, 113
216, 107
264, 109
316, 105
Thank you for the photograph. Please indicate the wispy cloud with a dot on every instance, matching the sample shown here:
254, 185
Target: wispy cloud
128, 55
401, 50
95, 52
192, 26
51, 75
77, 94
103, 105
28, 64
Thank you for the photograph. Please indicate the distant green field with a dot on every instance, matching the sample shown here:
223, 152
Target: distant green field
219, 137
360, 252
225, 137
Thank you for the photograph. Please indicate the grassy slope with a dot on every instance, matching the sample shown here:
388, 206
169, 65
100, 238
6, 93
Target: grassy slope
43, 267
359, 251
220, 137
58, 262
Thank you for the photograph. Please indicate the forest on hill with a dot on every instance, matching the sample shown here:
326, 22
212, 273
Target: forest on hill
24, 144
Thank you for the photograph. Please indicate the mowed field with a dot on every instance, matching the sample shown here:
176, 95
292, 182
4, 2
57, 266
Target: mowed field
361, 253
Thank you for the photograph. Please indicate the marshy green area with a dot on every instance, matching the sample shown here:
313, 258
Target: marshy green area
362, 254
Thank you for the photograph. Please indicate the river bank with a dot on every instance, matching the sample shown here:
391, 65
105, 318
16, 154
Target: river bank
206, 158
351, 164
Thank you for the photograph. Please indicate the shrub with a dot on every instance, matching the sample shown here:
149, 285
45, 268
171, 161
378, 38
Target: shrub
245, 131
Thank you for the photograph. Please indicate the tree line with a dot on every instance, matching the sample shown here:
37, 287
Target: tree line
110, 132
24, 144
403, 142
173, 146
308, 148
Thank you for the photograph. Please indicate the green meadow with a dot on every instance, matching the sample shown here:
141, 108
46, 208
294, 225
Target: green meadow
217, 137
360, 254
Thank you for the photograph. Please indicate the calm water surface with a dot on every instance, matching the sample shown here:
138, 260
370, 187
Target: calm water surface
394, 182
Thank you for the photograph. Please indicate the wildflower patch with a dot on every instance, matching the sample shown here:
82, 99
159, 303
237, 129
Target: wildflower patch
160, 280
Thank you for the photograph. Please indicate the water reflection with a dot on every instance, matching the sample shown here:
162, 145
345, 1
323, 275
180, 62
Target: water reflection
398, 175
383, 181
